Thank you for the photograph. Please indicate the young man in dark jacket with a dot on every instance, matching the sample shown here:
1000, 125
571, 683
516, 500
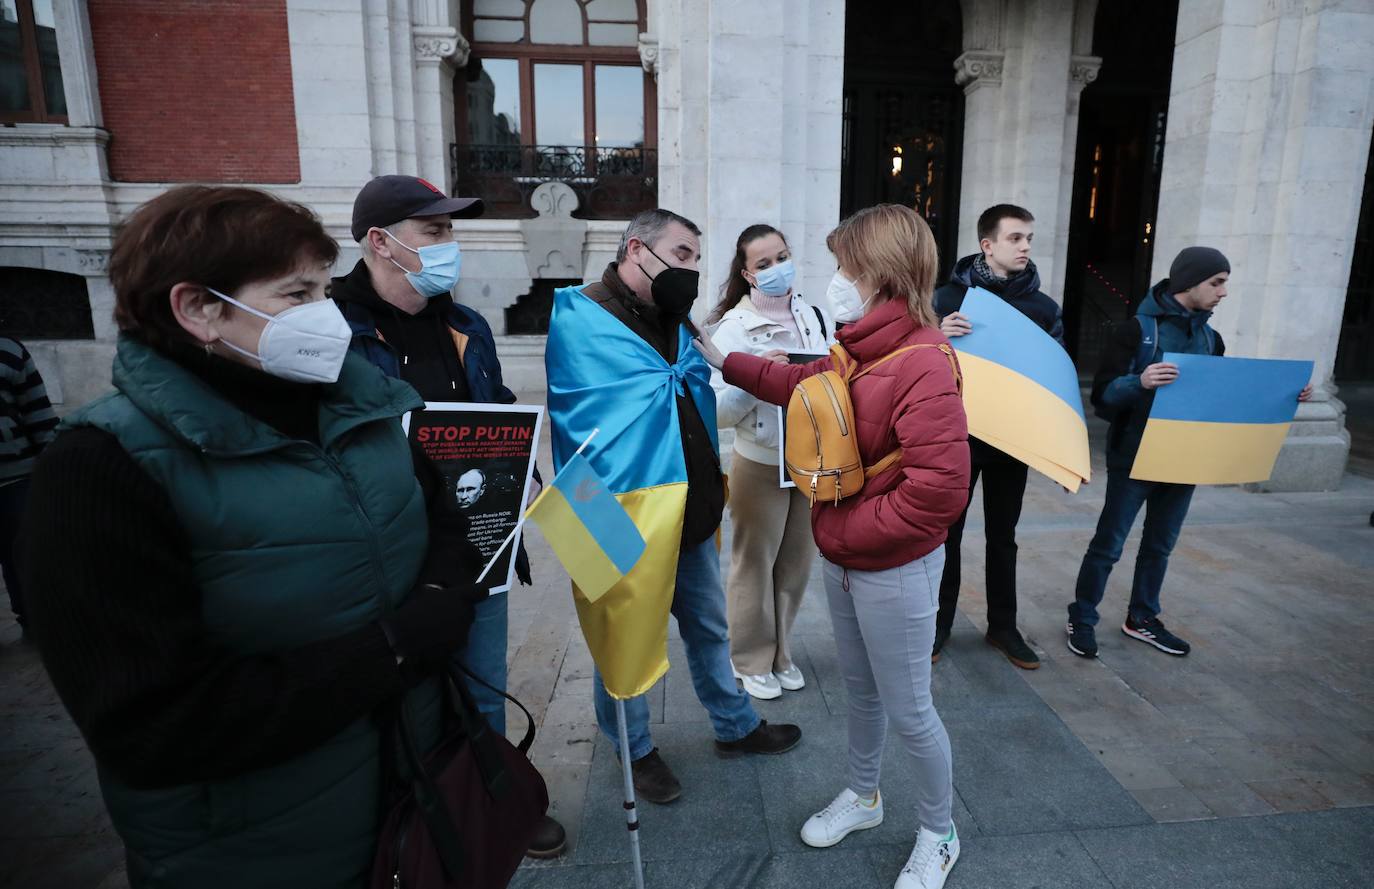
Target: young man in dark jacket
1172, 318
398, 301
1004, 268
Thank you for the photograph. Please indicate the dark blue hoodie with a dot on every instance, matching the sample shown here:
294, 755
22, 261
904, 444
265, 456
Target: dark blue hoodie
1117, 392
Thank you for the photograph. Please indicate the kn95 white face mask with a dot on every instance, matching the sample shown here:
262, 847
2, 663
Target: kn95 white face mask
305, 344
845, 302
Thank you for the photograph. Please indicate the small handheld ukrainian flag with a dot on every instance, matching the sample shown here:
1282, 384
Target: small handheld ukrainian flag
587, 528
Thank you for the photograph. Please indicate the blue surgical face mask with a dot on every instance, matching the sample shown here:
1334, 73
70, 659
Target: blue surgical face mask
439, 264
775, 280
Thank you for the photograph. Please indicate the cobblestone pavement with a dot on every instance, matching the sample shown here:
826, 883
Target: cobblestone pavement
1249, 763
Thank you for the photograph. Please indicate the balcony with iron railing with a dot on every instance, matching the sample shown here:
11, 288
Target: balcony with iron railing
611, 183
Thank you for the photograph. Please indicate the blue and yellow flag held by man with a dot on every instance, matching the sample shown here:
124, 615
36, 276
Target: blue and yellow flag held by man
1222, 422
602, 375
1021, 391
587, 528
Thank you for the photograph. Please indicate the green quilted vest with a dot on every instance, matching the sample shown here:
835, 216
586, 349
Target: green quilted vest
291, 543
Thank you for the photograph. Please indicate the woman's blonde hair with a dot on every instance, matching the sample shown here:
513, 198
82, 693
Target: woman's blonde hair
892, 247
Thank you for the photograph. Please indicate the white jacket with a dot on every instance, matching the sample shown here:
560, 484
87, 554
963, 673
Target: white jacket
743, 329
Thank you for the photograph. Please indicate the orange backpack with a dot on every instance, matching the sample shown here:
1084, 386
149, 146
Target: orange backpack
822, 449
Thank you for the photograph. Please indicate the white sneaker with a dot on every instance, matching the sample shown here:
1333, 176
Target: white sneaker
930, 862
764, 687
845, 814
790, 679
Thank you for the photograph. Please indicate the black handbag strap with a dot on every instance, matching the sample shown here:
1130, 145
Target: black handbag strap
525, 742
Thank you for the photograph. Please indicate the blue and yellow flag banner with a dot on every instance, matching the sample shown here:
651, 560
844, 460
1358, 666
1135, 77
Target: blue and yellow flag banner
1221, 422
588, 529
1021, 390
603, 376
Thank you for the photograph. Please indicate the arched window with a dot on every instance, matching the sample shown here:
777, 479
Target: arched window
36, 304
554, 89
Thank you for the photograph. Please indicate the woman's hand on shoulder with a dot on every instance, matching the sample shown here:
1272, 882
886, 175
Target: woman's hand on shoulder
708, 350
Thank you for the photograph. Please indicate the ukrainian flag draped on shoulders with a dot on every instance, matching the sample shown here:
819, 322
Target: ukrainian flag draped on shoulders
602, 375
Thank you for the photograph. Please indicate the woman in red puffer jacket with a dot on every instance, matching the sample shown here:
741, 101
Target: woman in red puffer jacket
883, 547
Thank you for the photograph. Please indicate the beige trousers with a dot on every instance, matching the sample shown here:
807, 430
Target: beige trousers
770, 562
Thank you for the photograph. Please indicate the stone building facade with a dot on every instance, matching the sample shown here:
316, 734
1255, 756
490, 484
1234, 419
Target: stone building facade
1129, 129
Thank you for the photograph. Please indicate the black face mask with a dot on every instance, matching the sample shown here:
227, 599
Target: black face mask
673, 289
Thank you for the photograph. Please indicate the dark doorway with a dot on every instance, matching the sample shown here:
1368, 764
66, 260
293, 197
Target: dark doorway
1120, 155
903, 113
1355, 354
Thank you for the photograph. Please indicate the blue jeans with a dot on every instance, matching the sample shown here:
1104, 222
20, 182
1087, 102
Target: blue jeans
699, 606
1166, 506
485, 656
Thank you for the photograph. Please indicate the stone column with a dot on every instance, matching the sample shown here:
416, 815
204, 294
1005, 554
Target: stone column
1082, 71
979, 72
1270, 114
439, 50
749, 124
1021, 117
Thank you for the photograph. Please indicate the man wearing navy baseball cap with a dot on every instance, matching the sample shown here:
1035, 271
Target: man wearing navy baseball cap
399, 302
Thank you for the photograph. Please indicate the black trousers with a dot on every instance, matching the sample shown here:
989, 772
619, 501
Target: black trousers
1004, 485
13, 495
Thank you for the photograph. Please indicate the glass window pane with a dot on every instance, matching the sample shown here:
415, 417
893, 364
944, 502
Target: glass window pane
499, 7
45, 30
498, 31
494, 104
613, 11
556, 21
619, 106
14, 78
613, 35
558, 105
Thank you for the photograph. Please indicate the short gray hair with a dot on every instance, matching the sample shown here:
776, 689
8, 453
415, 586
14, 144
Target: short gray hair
648, 226
366, 244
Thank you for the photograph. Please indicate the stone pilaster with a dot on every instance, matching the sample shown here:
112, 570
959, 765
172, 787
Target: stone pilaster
1268, 139
438, 50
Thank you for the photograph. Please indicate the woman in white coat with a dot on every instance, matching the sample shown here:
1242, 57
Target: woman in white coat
772, 547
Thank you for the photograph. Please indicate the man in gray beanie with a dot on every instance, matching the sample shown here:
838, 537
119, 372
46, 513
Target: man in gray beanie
1172, 317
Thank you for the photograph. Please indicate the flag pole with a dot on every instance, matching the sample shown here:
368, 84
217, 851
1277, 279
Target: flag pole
516, 530
631, 818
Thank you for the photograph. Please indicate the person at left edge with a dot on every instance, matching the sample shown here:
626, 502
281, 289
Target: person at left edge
398, 301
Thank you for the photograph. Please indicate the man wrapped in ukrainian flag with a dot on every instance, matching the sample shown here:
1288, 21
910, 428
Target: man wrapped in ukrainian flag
620, 360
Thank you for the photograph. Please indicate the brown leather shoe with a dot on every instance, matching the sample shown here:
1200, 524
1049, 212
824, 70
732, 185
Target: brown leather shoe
763, 739
1010, 643
549, 840
654, 781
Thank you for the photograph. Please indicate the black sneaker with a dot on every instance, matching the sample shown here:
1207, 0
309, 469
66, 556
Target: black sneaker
941, 637
654, 781
1010, 643
764, 739
1152, 632
549, 840
1082, 640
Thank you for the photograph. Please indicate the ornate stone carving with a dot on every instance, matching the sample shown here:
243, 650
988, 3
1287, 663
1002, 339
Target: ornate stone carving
92, 262
978, 68
648, 53
554, 200
1083, 69
434, 43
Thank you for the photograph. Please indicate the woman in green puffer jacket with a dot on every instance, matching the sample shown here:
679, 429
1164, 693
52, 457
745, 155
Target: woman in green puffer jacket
231, 560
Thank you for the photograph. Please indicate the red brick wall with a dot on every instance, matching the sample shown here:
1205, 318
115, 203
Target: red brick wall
196, 90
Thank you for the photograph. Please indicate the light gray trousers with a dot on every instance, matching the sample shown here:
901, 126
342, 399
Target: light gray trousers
884, 629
